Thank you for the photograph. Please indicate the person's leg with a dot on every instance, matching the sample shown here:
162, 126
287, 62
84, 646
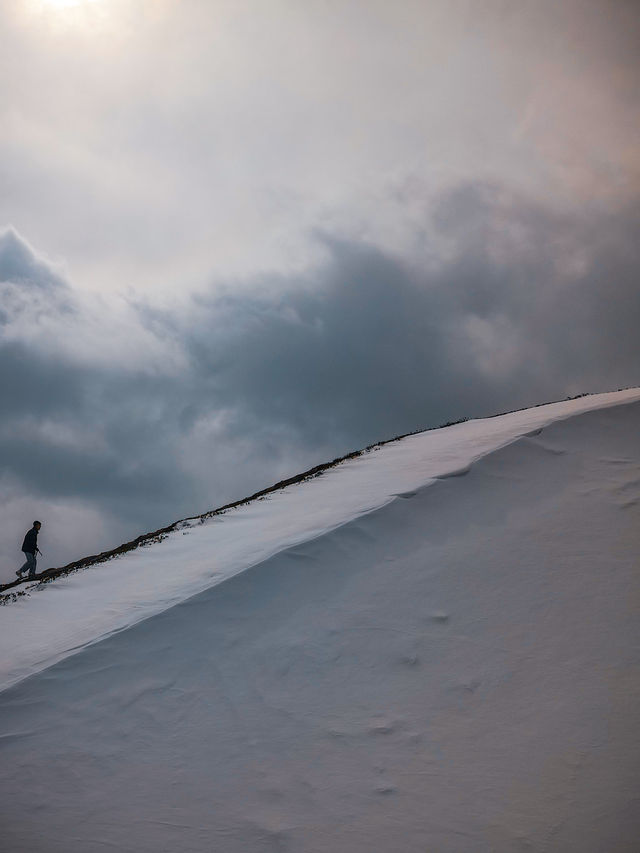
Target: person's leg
31, 559
26, 565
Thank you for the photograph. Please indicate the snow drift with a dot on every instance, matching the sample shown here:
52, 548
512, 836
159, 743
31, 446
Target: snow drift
90, 605
448, 663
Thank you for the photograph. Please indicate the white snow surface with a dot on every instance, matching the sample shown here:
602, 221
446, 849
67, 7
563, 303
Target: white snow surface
415, 662
62, 617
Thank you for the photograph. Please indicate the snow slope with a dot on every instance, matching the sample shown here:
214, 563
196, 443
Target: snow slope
455, 671
87, 606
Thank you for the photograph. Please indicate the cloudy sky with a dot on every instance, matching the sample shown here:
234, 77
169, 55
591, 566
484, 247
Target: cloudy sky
239, 238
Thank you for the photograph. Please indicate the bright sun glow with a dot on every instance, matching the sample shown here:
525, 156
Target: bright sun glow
66, 4
69, 15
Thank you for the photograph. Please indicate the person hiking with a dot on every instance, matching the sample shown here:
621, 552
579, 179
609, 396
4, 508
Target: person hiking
30, 549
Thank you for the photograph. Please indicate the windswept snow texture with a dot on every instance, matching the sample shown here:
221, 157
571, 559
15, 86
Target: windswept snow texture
62, 617
457, 672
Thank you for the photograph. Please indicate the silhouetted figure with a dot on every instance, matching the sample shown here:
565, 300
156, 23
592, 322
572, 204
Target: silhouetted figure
30, 549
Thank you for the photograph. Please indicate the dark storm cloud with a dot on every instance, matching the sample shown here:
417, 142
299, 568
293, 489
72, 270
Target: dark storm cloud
19, 264
70, 428
28, 284
524, 305
531, 305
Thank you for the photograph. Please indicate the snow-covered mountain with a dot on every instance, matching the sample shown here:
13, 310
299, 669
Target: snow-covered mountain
432, 646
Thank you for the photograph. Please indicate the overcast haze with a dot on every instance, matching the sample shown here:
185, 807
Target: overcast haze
240, 238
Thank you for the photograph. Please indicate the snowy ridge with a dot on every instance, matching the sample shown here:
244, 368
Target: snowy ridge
90, 605
455, 670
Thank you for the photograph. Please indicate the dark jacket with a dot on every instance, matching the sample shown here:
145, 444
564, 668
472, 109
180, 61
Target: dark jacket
30, 544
